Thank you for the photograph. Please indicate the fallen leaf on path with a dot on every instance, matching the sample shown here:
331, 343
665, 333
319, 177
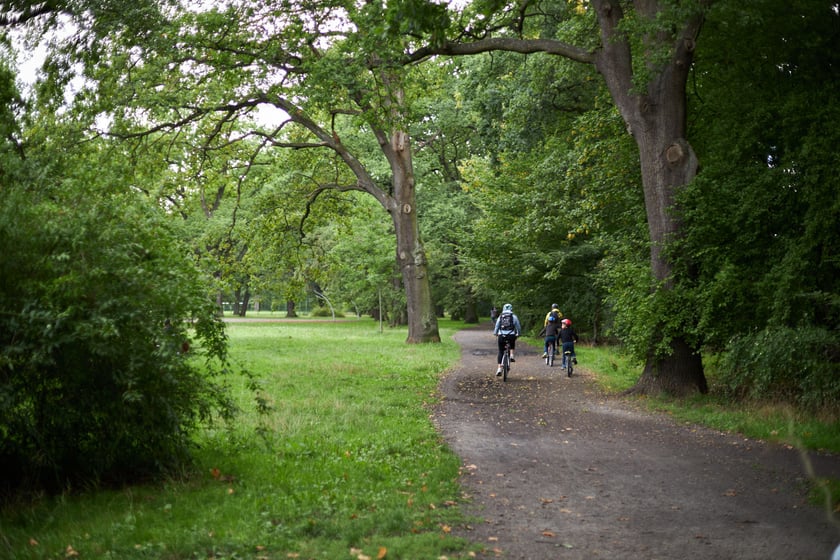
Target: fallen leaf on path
730, 493
548, 534
382, 553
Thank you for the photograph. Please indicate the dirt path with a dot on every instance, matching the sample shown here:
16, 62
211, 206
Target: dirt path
557, 470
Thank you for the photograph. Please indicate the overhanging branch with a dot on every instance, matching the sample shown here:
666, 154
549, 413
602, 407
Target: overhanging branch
511, 44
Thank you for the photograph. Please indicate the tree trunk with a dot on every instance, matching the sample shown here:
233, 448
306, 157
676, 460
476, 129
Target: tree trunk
471, 312
290, 309
657, 121
411, 255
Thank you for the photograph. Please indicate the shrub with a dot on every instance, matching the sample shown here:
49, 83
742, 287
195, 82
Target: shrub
98, 302
781, 363
325, 312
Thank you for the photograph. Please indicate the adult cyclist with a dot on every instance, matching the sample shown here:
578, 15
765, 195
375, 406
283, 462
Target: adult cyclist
554, 316
506, 330
555, 312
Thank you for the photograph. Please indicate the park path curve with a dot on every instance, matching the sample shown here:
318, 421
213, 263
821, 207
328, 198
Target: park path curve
555, 469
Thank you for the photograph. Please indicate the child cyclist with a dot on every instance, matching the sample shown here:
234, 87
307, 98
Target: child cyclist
552, 329
568, 337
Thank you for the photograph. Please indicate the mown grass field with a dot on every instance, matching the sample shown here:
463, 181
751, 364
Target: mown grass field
336, 457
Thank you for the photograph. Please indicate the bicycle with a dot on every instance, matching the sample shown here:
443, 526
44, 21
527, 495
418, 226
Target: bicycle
549, 355
569, 362
506, 360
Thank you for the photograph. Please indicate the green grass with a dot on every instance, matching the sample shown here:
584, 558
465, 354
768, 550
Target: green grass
344, 462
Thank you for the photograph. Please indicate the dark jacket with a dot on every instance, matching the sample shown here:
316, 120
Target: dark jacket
568, 335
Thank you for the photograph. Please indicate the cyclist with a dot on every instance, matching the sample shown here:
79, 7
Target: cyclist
552, 327
555, 312
568, 337
507, 329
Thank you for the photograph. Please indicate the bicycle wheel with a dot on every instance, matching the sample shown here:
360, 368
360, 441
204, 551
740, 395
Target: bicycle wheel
505, 365
550, 357
569, 365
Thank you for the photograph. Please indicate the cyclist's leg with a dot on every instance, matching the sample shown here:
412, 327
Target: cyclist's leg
500, 340
512, 340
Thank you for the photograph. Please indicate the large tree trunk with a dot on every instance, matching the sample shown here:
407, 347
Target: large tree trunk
411, 255
657, 121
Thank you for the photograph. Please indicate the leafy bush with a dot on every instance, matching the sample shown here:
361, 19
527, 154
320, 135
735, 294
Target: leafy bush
98, 381
781, 363
325, 312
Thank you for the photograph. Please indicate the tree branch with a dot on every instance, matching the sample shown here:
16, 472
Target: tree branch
512, 44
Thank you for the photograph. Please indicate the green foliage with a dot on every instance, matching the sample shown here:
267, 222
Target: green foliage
104, 320
800, 366
761, 246
559, 196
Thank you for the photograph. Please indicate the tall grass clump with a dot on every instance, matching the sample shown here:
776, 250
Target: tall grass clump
333, 455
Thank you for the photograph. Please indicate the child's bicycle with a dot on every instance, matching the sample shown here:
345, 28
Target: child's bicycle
549, 355
568, 362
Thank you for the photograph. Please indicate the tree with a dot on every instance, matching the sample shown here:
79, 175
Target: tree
644, 55
320, 64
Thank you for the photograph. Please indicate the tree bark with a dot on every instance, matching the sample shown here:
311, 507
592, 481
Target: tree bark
656, 118
411, 255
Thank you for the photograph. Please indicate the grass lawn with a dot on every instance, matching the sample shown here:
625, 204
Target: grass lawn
336, 457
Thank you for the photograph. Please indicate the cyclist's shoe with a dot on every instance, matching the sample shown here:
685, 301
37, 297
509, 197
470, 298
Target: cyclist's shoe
545, 354
499, 372
511, 359
574, 361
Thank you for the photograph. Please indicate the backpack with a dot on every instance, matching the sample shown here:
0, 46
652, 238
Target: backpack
506, 322
556, 315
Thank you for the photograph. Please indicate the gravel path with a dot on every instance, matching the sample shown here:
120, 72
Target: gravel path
557, 470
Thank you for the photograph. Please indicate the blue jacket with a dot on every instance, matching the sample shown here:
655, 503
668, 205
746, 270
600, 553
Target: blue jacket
516, 325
